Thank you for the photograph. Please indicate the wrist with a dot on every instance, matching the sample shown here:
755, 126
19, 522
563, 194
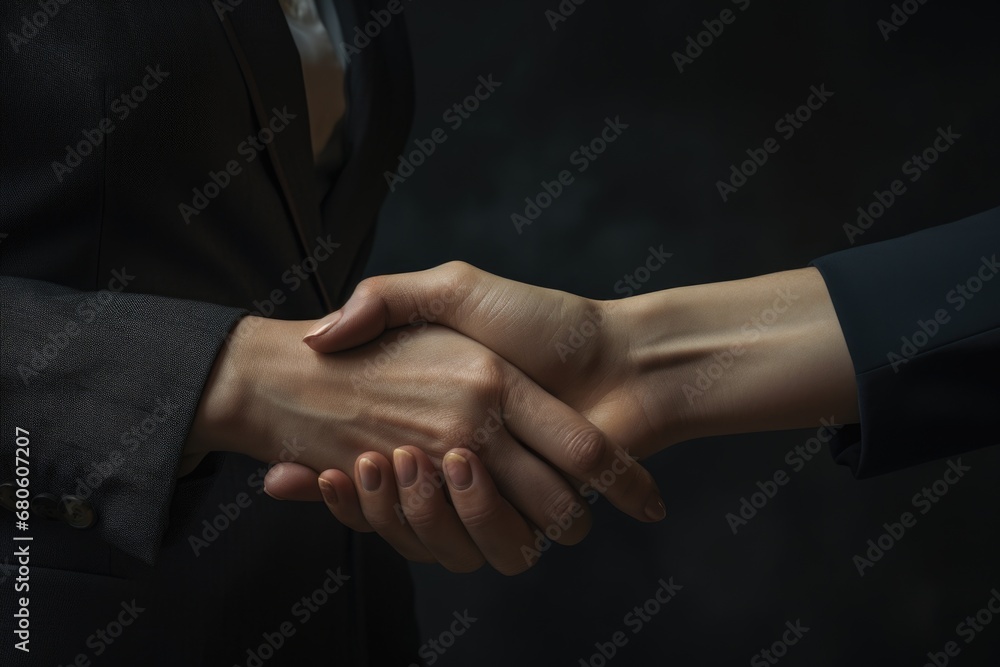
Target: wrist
227, 419
765, 353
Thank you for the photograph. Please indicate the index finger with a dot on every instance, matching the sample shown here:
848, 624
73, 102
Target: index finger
569, 442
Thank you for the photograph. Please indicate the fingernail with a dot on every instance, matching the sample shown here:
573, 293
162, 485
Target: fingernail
323, 327
406, 467
268, 492
458, 470
655, 509
329, 492
371, 477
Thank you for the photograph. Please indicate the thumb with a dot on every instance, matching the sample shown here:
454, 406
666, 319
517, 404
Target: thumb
292, 481
386, 302
359, 321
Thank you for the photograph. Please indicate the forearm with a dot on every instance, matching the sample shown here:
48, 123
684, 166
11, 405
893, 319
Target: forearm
764, 353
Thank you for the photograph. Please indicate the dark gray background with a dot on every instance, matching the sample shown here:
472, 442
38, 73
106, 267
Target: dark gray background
656, 185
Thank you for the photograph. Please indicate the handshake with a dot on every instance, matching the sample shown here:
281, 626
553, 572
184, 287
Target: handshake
462, 416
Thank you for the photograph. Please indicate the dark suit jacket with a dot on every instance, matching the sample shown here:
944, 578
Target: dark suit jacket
921, 316
116, 299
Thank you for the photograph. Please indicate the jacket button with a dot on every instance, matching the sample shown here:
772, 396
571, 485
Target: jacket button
77, 512
46, 505
7, 496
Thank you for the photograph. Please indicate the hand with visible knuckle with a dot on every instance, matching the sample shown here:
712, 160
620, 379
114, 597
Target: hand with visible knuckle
587, 450
433, 387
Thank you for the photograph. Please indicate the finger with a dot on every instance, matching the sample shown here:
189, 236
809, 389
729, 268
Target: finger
385, 302
433, 520
497, 528
571, 443
341, 498
373, 479
538, 491
292, 481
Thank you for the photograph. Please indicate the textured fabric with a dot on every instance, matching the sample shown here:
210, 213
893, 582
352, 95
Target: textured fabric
89, 395
921, 316
140, 221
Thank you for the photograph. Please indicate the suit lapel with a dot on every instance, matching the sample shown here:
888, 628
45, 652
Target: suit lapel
269, 60
379, 115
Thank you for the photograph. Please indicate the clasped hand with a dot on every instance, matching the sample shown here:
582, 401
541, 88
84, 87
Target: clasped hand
457, 413
504, 408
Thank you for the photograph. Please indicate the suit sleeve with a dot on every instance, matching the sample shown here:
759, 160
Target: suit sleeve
921, 316
107, 384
